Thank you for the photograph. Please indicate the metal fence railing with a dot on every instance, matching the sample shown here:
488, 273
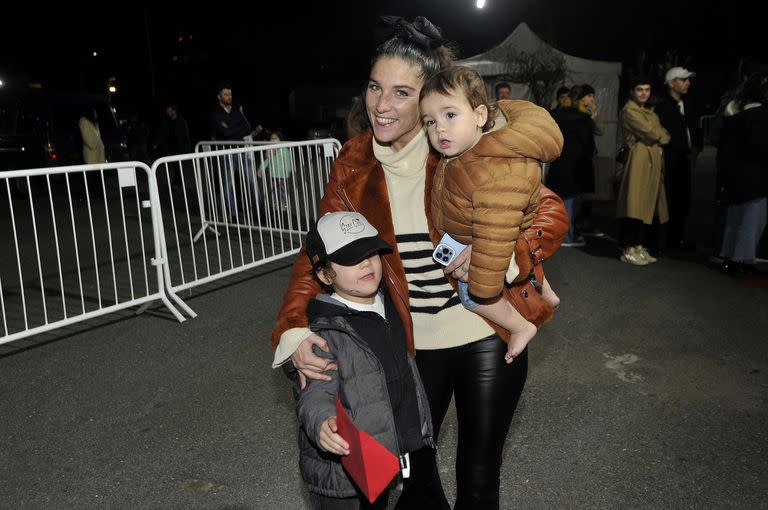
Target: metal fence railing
235, 209
77, 242
84, 241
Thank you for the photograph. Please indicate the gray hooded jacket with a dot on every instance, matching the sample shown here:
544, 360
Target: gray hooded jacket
361, 384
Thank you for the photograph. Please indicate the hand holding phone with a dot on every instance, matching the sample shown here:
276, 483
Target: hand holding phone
447, 250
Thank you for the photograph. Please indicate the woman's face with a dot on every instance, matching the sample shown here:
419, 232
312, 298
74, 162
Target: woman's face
641, 93
392, 101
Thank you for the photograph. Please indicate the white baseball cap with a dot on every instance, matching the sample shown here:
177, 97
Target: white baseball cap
344, 237
678, 72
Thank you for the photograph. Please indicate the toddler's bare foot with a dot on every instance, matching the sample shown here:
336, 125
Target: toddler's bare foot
518, 340
549, 295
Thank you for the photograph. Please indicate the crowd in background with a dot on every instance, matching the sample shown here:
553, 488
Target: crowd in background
660, 136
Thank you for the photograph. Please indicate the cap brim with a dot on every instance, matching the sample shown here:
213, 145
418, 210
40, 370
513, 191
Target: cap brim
358, 250
683, 76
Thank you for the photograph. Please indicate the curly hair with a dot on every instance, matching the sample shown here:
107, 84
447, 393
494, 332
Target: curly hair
465, 80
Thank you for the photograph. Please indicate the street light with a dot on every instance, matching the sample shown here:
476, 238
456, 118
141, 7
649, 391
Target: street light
480, 4
112, 85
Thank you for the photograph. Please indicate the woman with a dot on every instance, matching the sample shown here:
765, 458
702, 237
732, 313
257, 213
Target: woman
641, 195
93, 146
742, 175
386, 174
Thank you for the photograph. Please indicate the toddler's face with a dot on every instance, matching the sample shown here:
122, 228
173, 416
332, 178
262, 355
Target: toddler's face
453, 126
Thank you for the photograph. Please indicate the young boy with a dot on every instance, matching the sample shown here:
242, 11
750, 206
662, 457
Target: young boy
376, 380
485, 190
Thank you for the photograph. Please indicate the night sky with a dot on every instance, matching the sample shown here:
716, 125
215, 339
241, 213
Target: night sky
329, 43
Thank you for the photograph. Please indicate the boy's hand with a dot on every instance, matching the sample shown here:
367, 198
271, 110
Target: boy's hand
459, 268
330, 441
309, 364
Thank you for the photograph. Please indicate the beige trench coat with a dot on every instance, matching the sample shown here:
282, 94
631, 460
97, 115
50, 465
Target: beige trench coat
93, 146
642, 195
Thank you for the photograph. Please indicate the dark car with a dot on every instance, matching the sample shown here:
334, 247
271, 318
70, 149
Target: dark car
40, 129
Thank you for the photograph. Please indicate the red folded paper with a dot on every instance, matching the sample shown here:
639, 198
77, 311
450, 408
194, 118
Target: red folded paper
369, 463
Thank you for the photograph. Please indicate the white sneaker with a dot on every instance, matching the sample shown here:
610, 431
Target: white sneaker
633, 256
647, 256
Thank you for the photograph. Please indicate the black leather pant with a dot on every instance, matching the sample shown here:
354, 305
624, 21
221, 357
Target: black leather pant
486, 390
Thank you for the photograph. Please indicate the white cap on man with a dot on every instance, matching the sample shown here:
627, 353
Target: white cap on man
678, 72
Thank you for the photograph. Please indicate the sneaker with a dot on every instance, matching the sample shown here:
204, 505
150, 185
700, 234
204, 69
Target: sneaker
577, 243
593, 232
633, 256
647, 256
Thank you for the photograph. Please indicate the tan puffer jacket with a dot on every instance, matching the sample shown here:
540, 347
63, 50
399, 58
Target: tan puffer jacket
485, 196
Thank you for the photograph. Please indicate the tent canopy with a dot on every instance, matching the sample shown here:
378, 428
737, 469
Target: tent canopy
523, 39
603, 76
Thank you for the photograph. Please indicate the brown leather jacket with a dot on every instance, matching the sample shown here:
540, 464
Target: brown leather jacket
357, 183
488, 194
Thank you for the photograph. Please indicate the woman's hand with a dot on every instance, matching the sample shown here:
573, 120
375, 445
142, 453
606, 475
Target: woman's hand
459, 268
329, 440
309, 364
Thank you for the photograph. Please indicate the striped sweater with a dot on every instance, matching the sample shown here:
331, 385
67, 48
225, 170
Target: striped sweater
439, 319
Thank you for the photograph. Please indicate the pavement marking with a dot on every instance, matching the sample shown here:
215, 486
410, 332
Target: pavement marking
199, 486
618, 365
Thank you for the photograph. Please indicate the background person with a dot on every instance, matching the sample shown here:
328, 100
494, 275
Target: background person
641, 200
742, 175
502, 90
93, 145
228, 123
573, 173
279, 164
677, 117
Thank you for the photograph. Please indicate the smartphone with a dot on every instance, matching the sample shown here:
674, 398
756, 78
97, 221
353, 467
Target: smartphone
447, 250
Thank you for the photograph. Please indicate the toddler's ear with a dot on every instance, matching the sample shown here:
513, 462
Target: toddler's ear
481, 112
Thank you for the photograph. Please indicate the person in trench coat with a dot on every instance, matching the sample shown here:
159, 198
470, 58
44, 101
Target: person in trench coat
641, 195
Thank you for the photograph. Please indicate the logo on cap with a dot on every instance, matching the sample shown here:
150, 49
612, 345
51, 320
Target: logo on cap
351, 225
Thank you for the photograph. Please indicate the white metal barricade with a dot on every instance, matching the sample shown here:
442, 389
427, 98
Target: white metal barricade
227, 211
222, 145
78, 242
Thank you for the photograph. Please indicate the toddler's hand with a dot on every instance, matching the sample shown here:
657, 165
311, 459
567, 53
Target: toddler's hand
330, 441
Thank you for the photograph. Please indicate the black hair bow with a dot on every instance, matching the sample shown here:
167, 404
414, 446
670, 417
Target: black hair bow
421, 31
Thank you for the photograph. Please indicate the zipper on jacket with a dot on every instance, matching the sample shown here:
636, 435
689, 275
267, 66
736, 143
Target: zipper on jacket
363, 345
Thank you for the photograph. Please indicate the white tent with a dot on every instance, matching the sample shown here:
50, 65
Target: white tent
603, 76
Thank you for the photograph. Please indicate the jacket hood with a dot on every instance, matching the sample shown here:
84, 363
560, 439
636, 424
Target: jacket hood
529, 132
323, 305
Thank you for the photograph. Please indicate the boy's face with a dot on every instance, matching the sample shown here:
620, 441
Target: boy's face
641, 93
358, 283
453, 126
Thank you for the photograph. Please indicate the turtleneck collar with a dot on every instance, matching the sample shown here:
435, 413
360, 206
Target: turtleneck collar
409, 161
